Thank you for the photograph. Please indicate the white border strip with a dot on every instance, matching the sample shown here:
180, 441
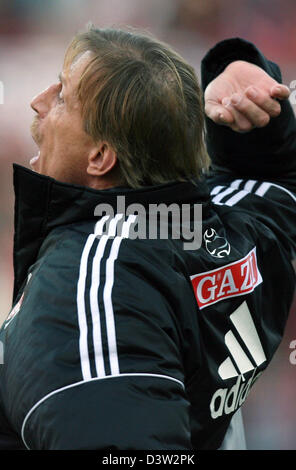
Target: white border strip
54, 392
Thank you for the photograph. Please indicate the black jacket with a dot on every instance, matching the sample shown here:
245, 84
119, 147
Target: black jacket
122, 343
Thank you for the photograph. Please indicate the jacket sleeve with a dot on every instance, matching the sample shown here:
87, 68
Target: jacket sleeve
266, 152
254, 172
136, 397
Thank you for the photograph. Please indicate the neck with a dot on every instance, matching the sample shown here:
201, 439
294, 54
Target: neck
105, 182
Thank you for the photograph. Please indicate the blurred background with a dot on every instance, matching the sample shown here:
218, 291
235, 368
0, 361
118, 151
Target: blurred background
33, 38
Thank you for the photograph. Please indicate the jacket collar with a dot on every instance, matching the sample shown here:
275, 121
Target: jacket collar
43, 203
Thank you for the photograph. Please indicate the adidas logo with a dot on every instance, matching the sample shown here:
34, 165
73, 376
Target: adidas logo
242, 320
227, 400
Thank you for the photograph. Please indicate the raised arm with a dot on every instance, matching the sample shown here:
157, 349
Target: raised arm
243, 93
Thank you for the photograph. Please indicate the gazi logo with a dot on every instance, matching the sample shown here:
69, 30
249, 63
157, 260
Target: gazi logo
227, 400
232, 280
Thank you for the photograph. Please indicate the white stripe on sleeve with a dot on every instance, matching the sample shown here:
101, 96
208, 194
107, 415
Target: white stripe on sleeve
107, 295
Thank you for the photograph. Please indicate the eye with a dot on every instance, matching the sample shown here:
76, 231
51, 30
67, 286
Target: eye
60, 99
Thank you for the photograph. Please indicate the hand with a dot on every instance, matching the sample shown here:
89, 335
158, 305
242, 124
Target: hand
243, 97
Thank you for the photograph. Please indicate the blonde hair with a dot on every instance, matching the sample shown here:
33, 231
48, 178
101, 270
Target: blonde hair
145, 100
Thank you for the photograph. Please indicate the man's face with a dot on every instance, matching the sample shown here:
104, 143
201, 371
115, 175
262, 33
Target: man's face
57, 129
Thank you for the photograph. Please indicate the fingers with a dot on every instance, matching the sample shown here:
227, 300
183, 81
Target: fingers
256, 106
264, 101
225, 114
240, 123
253, 108
280, 92
218, 113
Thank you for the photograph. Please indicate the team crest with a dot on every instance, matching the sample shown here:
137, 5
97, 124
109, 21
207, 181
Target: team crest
217, 246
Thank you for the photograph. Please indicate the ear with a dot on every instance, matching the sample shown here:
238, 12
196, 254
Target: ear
101, 160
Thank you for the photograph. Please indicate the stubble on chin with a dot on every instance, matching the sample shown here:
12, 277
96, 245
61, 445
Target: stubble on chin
35, 130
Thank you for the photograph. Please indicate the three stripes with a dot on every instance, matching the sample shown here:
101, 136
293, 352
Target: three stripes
96, 314
244, 325
239, 189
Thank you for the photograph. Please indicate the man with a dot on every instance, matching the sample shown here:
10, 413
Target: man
119, 342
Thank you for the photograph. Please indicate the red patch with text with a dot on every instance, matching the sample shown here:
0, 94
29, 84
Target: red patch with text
238, 278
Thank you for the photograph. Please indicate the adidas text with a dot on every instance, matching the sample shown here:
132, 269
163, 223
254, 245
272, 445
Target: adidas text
227, 400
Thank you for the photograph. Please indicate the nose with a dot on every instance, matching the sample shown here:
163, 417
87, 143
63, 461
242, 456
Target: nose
43, 102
